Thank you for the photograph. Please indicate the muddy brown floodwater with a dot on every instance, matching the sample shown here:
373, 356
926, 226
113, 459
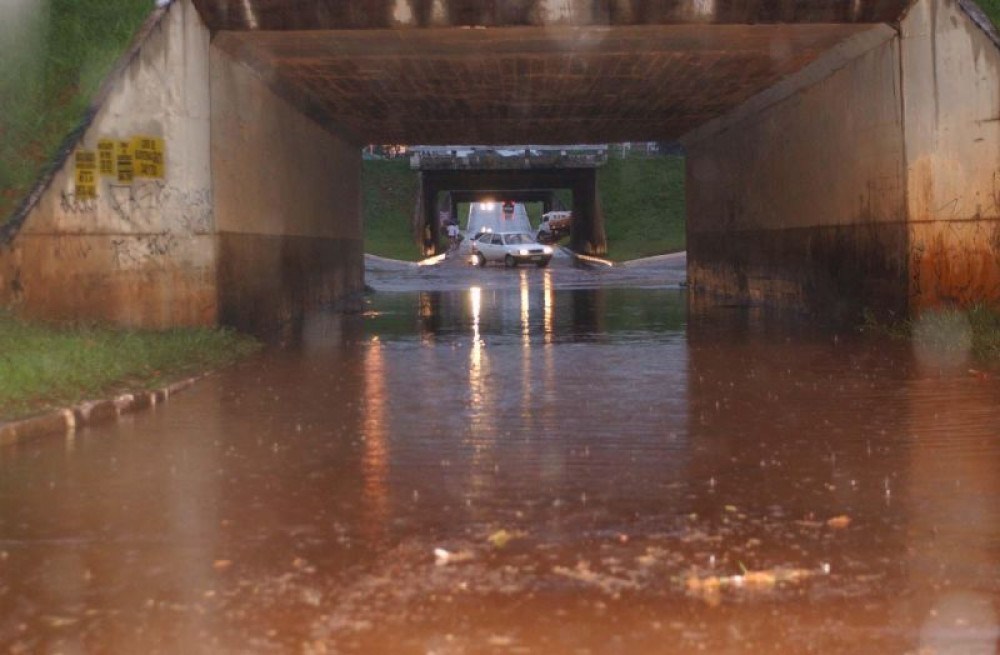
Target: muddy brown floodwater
528, 462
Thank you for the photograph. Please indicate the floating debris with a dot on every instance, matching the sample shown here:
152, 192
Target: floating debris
443, 557
501, 538
839, 522
708, 587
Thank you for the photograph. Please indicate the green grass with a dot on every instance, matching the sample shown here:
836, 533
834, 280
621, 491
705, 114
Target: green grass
389, 191
992, 9
44, 366
52, 63
643, 201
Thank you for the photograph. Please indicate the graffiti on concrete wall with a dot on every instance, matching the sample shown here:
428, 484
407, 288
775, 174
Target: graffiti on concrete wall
71, 204
143, 251
128, 177
146, 205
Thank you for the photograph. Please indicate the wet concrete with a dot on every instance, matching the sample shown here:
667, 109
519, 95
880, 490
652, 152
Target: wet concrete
546, 461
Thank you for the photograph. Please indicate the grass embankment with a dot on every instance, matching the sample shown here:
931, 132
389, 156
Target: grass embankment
643, 202
389, 193
642, 198
45, 366
53, 58
992, 9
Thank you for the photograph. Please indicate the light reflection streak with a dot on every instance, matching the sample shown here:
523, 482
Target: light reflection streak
548, 310
250, 15
476, 355
525, 306
525, 345
432, 261
426, 319
548, 305
481, 405
375, 459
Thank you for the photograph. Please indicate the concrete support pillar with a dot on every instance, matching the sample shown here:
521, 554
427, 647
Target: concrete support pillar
452, 208
419, 219
548, 202
587, 236
426, 215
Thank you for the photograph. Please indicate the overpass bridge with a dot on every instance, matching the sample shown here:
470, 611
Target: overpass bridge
841, 153
451, 175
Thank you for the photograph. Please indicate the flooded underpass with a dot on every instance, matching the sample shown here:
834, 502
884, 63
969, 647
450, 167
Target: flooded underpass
542, 461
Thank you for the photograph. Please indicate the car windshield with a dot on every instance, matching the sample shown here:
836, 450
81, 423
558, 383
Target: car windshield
517, 239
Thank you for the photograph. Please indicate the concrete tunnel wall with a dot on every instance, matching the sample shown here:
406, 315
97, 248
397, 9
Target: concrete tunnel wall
951, 94
803, 203
287, 204
868, 180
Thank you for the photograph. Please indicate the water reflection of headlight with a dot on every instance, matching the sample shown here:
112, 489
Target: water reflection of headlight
547, 250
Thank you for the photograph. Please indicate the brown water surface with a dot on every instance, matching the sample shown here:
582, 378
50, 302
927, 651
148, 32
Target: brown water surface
524, 467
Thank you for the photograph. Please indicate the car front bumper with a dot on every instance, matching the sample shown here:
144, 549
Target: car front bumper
533, 258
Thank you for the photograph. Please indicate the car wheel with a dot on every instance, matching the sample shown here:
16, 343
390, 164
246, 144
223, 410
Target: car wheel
480, 259
509, 261
544, 263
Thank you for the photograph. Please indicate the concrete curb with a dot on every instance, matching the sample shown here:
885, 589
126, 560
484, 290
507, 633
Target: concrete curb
89, 412
655, 259
384, 263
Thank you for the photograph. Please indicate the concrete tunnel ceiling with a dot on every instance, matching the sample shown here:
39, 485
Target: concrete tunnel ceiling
529, 71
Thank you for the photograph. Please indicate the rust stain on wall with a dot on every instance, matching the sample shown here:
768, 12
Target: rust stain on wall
75, 277
954, 263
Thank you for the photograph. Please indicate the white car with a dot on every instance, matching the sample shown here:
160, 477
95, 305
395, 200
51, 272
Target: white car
511, 248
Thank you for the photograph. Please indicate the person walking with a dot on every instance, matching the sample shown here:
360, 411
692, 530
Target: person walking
453, 236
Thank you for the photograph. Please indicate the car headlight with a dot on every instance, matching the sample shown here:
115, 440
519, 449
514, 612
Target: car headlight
547, 250
522, 252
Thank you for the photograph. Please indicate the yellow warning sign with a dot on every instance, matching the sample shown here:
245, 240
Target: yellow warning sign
106, 158
148, 153
124, 163
86, 174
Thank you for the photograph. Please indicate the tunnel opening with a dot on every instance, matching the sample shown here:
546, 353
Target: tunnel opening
769, 224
